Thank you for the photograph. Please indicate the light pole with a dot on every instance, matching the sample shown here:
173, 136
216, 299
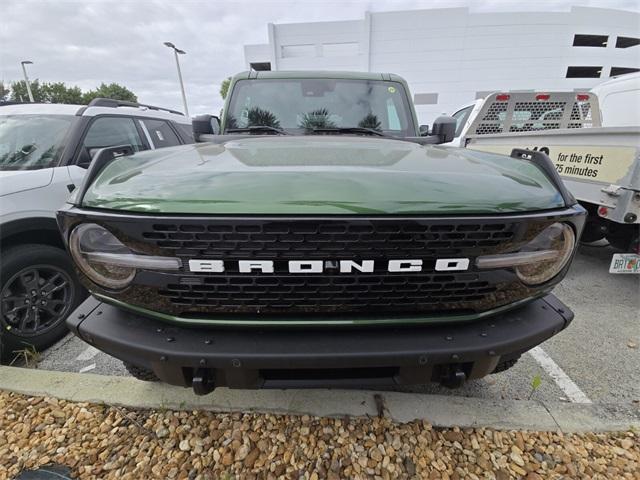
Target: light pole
176, 52
26, 79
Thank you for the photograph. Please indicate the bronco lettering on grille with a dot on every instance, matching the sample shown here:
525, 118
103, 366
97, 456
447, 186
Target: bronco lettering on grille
319, 266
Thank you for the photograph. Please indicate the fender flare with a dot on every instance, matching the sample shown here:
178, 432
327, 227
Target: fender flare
29, 224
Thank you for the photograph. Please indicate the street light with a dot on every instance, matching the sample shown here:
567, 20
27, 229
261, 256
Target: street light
176, 52
26, 79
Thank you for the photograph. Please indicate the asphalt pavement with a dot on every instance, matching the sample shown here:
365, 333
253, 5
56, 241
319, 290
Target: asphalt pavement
597, 359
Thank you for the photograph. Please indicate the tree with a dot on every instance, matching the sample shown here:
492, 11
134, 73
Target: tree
56, 92
370, 121
113, 91
19, 91
316, 119
256, 116
4, 92
224, 87
59, 93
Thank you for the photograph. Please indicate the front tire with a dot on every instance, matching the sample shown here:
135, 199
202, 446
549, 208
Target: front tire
505, 365
140, 373
38, 290
624, 237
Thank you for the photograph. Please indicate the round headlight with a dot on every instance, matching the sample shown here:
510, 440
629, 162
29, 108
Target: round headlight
88, 239
553, 247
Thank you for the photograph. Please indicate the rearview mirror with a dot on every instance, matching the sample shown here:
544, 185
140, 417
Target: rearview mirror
444, 128
424, 130
205, 125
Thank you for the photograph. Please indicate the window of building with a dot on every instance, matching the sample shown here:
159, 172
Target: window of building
583, 72
425, 98
615, 71
590, 40
626, 42
260, 66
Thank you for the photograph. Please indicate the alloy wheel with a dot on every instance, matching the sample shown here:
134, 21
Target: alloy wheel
35, 299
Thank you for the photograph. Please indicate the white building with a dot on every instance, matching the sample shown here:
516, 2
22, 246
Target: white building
451, 56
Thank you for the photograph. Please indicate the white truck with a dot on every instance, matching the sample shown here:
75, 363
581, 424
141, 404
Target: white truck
593, 138
45, 150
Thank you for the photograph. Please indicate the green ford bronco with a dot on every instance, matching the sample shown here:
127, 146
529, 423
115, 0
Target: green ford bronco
318, 236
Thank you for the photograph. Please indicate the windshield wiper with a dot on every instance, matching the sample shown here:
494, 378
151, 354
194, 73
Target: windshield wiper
257, 129
366, 131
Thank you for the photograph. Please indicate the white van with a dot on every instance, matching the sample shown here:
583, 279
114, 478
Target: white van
619, 100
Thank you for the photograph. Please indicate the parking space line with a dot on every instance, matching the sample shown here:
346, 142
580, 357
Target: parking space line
563, 381
87, 354
87, 368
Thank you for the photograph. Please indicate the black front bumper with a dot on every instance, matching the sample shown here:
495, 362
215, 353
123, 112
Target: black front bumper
270, 358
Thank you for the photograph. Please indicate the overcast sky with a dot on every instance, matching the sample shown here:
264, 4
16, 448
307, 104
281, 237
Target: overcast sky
87, 42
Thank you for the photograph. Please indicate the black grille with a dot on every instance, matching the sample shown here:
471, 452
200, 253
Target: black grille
330, 240
379, 292
369, 296
326, 240
330, 293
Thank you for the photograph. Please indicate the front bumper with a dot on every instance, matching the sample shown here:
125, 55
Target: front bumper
204, 358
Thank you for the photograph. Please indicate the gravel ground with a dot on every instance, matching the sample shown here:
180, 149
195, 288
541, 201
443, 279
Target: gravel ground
99, 441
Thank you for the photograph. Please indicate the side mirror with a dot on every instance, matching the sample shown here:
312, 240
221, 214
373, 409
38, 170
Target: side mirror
205, 125
424, 130
84, 158
444, 128
101, 158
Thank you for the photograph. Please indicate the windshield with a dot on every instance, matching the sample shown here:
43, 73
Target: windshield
461, 117
304, 105
31, 142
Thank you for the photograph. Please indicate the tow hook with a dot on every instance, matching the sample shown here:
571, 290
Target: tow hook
203, 382
454, 379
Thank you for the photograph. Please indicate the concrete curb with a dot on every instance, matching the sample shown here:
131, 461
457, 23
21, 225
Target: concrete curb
439, 410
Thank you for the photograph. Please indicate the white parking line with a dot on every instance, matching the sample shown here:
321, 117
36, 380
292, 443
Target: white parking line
87, 354
87, 368
563, 381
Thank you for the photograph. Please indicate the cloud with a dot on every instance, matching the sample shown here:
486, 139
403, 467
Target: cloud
89, 42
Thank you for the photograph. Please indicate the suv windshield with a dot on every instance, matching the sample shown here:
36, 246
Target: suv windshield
320, 105
31, 142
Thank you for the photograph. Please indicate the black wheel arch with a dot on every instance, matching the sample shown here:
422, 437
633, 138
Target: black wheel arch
40, 230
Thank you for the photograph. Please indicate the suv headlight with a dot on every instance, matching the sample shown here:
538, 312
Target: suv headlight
107, 261
539, 260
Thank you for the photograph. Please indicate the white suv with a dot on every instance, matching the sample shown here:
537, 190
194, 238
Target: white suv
45, 150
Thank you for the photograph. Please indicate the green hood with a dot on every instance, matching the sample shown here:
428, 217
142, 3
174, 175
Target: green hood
320, 175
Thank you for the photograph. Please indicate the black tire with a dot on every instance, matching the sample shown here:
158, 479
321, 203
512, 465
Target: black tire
593, 231
38, 290
141, 373
635, 245
506, 365
624, 237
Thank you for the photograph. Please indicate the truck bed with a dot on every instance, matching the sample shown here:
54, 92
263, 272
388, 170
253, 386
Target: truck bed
600, 166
